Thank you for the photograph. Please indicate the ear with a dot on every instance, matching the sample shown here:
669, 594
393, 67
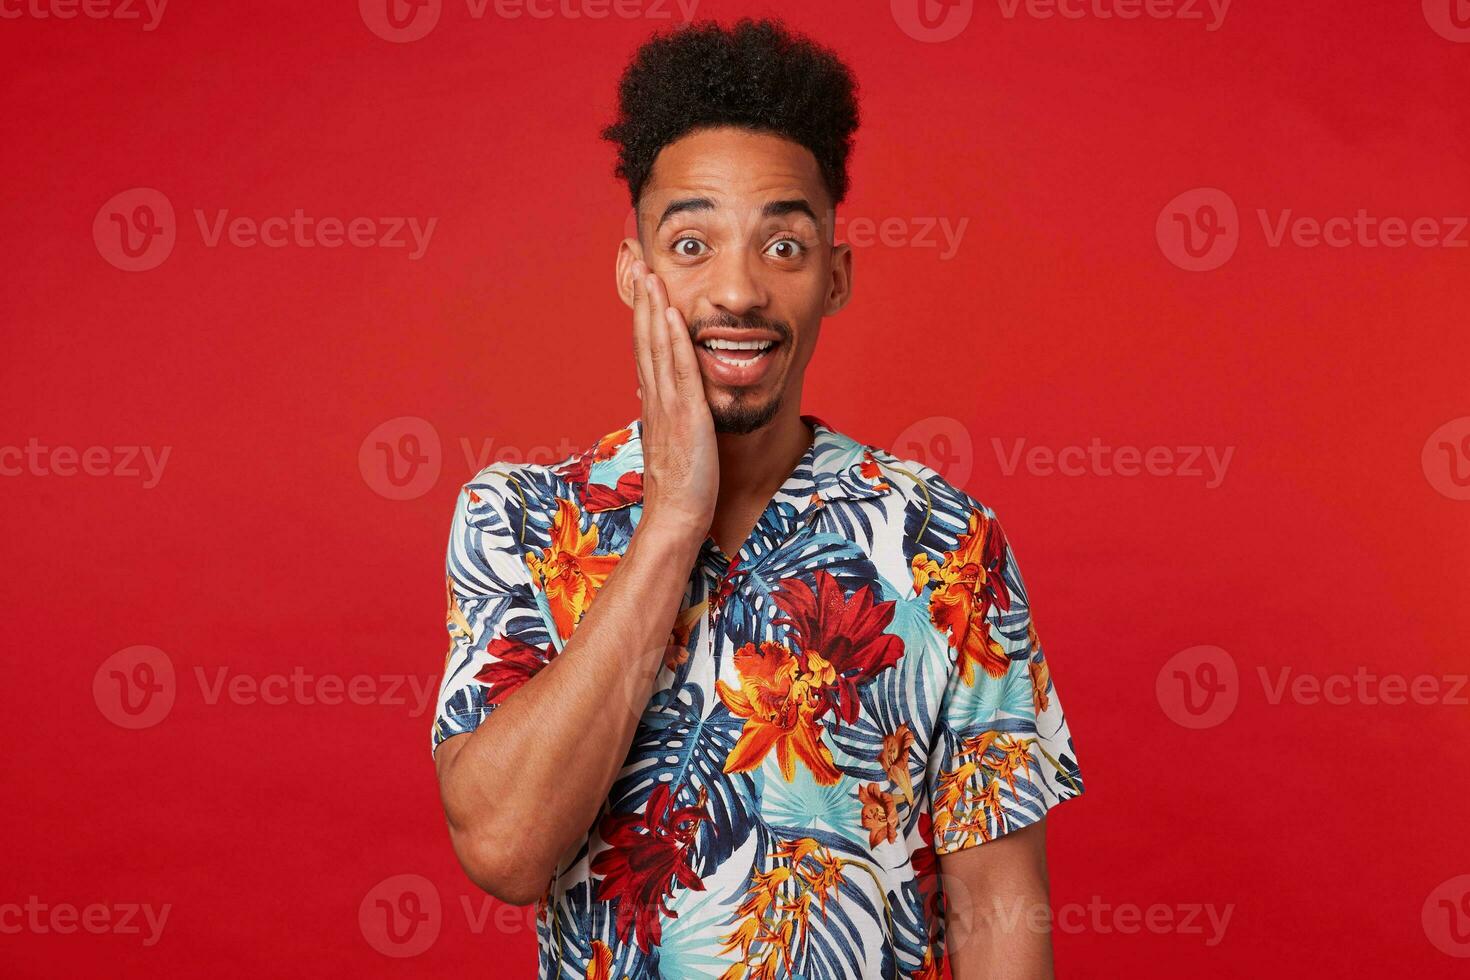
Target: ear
841, 287
629, 251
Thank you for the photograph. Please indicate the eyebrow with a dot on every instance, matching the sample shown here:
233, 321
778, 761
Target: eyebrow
771, 209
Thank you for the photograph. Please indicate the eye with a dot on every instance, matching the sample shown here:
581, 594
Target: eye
787, 248
679, 247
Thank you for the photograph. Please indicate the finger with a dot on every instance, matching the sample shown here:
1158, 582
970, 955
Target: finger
661, 351
687, 378
641, 323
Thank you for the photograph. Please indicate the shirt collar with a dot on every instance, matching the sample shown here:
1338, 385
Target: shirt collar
609, 475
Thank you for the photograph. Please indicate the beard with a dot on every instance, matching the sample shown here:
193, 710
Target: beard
740, 416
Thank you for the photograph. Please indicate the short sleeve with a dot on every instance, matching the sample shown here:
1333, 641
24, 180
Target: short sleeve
497, 630
1001, 755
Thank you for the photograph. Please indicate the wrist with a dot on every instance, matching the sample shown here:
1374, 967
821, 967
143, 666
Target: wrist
676, 538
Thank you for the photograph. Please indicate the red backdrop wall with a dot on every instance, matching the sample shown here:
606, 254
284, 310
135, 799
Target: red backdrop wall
1232, 452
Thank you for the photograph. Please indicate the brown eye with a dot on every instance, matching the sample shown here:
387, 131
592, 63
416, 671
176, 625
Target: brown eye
787, 248
681, 247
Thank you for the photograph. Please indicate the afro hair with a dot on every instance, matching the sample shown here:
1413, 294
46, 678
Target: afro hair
756, 75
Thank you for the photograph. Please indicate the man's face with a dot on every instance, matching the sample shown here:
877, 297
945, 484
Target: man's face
738, 225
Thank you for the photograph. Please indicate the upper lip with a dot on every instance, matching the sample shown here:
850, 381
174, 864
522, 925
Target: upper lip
736, 333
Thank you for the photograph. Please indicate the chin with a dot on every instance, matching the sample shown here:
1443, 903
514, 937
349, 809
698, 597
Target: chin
740, 415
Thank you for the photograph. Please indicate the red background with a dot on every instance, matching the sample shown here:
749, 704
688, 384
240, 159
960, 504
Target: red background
264, 547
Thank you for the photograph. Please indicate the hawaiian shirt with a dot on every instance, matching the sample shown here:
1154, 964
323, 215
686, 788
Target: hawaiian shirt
857, 691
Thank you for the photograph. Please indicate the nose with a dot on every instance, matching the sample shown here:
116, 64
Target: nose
734, 284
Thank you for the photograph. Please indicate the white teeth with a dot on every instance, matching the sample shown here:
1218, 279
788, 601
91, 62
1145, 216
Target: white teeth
737, 361
737, 344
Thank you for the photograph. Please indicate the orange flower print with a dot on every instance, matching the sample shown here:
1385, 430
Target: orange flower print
931, 968
841, 644
677, 650
1040, 681
776, 913
894, 758
969, 582
454, 618
1015, 754
879, 815
779, 704
955, 806
568, 573
599, 965
873, 473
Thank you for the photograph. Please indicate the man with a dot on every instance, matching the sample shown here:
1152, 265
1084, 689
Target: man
730, 694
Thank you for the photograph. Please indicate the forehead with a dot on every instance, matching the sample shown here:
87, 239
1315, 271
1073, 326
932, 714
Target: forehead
735, 167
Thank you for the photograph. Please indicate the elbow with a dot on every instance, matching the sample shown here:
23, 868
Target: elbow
506, 873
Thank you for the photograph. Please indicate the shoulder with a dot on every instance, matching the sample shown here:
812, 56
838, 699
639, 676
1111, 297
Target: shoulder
503, 494
923, 487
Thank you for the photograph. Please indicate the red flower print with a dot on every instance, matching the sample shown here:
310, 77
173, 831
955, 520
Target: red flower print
649, 854
841, 640
516, 662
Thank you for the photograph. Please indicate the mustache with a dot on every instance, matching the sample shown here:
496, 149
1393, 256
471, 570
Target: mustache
730, 321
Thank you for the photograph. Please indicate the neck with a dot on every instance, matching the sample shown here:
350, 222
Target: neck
753, 466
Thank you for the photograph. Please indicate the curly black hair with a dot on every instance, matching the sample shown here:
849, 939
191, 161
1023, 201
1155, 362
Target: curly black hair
757, 75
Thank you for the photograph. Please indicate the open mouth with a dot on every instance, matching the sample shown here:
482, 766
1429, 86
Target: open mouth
739, 353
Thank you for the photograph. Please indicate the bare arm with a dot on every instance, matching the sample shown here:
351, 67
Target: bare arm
526, 785
996, 915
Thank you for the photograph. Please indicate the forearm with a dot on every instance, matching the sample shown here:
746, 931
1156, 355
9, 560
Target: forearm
997, 908
545, 759
1005, 939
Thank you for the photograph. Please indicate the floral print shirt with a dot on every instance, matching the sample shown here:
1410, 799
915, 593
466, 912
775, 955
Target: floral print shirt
859, 690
